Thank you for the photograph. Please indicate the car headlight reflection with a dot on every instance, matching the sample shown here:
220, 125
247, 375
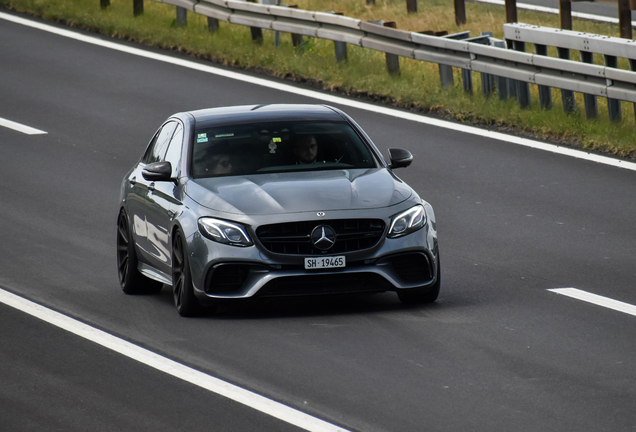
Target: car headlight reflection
224, 232
408, 221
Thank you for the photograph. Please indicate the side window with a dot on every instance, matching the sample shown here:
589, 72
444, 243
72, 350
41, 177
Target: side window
173, 155
157, 149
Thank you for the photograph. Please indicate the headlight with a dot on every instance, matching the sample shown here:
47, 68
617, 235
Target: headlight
408, 221
224, 232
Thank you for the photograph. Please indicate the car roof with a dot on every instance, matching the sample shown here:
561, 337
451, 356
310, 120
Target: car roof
263, 113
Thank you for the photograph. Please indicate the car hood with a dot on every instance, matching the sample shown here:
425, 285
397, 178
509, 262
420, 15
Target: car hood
277, 193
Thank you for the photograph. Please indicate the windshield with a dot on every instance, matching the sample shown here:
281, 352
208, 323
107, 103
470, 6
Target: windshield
278, 147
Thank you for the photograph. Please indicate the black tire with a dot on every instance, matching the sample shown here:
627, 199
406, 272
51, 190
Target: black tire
186, 303
131, 281
422, 295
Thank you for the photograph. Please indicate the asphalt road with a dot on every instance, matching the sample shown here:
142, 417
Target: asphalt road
604, 8
497, 352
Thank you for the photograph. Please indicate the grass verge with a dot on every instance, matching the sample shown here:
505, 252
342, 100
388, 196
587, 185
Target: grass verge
364, 74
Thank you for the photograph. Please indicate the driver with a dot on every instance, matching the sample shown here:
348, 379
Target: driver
306, 149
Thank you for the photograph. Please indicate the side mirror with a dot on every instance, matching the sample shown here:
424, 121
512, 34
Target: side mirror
157, 171
400, 158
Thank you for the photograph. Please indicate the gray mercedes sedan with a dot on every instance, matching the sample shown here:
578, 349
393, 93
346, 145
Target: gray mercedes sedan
272, 200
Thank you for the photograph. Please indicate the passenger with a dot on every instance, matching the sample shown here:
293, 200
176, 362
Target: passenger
220, 164
306, 149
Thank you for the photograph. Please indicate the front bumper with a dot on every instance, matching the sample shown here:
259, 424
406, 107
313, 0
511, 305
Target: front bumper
228, 272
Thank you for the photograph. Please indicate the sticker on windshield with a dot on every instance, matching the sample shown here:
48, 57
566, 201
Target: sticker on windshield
225, 135
202, 137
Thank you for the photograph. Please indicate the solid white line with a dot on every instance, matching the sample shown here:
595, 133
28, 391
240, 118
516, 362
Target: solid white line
163, 364
596, 299
327, 97
20, 127
536, 8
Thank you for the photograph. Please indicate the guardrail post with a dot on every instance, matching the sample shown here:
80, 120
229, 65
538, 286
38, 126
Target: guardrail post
545, 92
486, 85
523, 88
446, 76
104, 3
501, 83
511, 11
446, 72
613, 105
591, 106
256, 32
487, 80
512, 84
502, 88
567, 96
460, 12
411, 6
276, 33
392, 60
297, 39
138, 7
467, 81
182, 16
341, 51
340, 48
213, 25
625, 18
632, 67
257, 35
565, 14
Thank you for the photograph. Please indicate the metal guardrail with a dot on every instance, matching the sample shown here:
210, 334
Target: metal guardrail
617, 80
524, 68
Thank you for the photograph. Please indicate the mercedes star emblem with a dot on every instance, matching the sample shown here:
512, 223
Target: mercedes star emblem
323, 237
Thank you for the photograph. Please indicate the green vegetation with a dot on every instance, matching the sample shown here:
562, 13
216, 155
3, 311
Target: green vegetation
364, 73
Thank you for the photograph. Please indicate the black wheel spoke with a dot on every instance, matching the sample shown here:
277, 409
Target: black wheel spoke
178, 254
178, 291
122, 249
123, 265
123, 232
123, 270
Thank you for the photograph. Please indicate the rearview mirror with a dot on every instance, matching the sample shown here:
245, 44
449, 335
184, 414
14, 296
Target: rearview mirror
157, 171
400, 158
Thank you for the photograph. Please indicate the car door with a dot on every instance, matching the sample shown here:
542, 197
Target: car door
140, 200
164, 205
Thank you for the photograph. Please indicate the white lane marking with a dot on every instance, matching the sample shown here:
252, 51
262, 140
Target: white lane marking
536, 8
327, 97
163, 364
596, 299
20, 127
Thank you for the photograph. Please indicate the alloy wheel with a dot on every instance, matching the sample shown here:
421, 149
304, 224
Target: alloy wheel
178, 267
122, 249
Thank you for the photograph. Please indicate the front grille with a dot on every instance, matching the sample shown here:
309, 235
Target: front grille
294, 237
316, 284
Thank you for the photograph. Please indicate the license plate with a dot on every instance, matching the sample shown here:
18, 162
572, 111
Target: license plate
324, 262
